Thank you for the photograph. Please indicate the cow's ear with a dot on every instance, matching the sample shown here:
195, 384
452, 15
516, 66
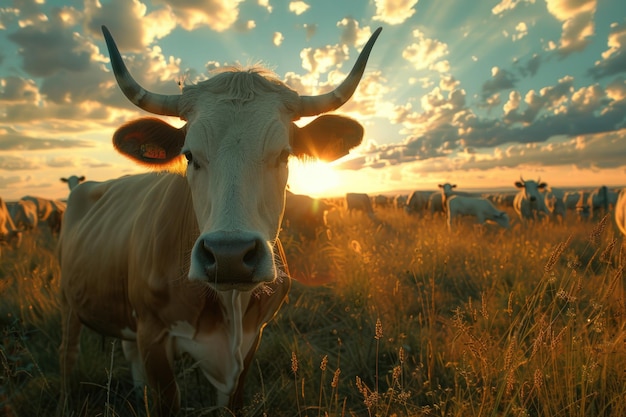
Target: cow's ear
149, 141
64, 179
519, 184
542, 185
328, 137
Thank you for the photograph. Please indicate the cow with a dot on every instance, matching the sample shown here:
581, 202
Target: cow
9, 234
601, 200
399, 200
359, 202
620, 211
570, 199
417, 202
583, 210
553, 199
481, 208
435, 203
24, 213
304, 215
529, 203
175, 262
73, 181
49, 212
381, 201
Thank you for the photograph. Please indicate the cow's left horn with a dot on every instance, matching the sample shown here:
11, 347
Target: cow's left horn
166, 105
314, 105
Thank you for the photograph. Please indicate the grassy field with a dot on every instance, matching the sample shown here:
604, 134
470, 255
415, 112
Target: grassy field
409, 320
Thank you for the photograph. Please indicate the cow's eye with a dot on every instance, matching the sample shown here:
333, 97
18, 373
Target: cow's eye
283, 158
190, 160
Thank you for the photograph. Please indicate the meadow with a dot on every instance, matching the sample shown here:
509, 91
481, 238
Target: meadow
395, 318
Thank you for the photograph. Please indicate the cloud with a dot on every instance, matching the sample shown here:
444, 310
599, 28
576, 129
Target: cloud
12, 140
506, 5
501, 79
394, 12
321, 60
219, 15
277, 38
577, 26
298, 7
425, 53
613, 59
352, 34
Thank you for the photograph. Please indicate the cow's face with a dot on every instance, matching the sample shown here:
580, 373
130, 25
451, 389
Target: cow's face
447, 188
237, 141
531, 189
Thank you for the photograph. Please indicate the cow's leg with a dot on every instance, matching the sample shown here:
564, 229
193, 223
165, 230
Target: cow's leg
131, 353
68, 351
158, 361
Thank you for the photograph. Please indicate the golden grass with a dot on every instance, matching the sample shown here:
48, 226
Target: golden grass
412, 321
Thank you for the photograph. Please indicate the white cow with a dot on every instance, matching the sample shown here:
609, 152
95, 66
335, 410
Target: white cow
417, 202
190, 264
620, 211
481, 208
529, 203
8, 232
24, 213
49, 212
554, 200
73, 181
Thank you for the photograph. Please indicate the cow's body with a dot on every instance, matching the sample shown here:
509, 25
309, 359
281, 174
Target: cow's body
49, 212
304, 215
191, 263
8, 232
417, 202
481, 209
601, 200
555, 203
359, 202
24, 213
141, 283
529, 203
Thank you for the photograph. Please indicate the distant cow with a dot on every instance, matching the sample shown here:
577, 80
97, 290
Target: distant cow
480, 208
304, 215
8, 232
553, 198
359, 202
49, 212
192, 264
601, 200
583, 209
73, 181
417, 202
529, 203
24, 213
399, 201
620, 211
435, 203
381, 201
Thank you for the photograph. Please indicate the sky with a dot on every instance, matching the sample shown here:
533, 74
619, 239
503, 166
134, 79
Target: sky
476, 93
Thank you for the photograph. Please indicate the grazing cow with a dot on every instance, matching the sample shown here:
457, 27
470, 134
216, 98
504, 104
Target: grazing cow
73, 181
359, 202
417, 202
381, 201
570, 199
8, 232
480, 208
529, 202
24, 213
304, 215
435, 203
171, 263
583, 210
601, 200
620, 211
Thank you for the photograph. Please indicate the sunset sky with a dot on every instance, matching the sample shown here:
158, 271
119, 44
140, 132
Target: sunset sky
477, 93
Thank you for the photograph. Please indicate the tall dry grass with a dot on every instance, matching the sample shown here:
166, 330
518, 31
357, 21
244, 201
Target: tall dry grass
412, 321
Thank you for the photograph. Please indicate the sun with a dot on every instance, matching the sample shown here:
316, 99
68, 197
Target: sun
312, 177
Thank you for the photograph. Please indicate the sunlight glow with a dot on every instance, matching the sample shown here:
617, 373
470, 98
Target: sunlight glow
313, 178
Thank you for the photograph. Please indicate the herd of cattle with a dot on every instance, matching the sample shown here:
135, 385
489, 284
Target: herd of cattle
194, 264
534, 201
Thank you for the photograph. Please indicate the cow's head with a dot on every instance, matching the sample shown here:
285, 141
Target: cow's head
531, 189
447, 188
73, 181
237, 140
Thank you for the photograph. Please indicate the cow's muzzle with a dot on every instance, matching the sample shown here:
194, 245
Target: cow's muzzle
232, 260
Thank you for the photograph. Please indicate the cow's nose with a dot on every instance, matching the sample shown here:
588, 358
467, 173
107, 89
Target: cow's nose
231, 259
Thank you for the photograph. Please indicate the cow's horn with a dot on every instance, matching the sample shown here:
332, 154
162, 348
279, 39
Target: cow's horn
314, 105
166, 105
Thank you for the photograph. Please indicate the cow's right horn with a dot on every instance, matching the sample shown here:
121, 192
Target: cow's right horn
314, 105
166, 105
